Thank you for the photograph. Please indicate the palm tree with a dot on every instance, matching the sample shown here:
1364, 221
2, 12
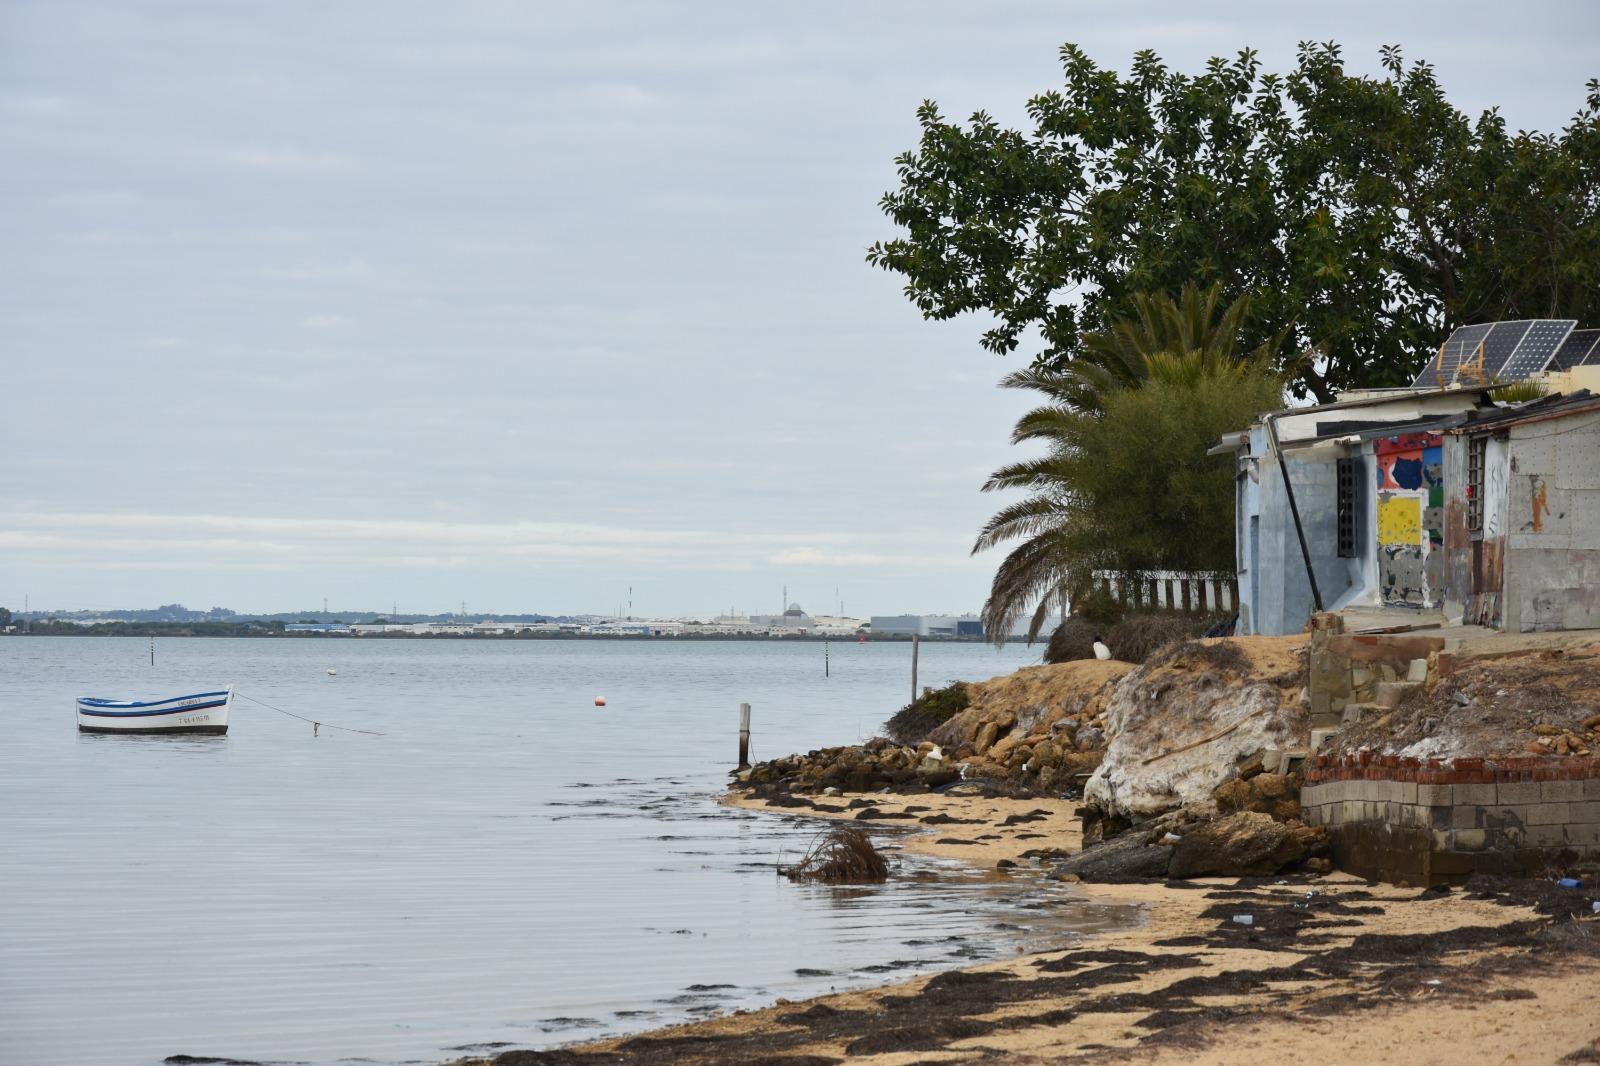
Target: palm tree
1135, 346
1182, 344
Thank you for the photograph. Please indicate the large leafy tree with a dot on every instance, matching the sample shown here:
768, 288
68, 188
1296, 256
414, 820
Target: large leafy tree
1369, 215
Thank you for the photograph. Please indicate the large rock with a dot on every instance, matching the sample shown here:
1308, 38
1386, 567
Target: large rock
1190, 718
986, 737
1243, 844
1129, 857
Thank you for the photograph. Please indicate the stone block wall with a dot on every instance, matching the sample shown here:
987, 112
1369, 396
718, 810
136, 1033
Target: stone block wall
1350, 672
1432, 821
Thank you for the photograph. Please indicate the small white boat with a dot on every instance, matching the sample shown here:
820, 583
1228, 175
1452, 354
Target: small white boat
203, 712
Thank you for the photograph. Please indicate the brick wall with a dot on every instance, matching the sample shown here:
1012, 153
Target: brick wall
1428, 821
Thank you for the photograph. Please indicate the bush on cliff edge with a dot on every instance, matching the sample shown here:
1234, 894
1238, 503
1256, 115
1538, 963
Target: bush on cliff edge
1133, 639
926, 713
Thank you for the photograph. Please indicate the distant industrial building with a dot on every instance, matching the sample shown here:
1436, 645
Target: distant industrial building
931, 625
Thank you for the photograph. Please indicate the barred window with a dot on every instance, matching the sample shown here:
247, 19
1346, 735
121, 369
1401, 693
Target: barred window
1477, 448
1348, 503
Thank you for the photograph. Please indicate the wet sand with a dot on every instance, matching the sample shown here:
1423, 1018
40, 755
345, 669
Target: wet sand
1331, 969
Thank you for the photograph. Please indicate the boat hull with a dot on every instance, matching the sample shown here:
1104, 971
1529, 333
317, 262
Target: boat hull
203, 712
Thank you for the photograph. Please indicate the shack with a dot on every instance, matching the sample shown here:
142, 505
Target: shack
1522, 516
1433, 499
1340, 505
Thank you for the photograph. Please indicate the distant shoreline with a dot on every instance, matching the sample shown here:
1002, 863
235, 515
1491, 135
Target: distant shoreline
247, 630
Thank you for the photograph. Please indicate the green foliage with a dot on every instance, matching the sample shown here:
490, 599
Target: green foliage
927, 712
1181, 340
1514, 392
5, 616
1369, 215
1128, 489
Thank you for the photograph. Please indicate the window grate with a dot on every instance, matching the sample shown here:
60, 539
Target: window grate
1349, 479
1477, 449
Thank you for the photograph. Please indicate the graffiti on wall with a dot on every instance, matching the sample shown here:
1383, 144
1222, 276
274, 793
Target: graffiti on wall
1410, 518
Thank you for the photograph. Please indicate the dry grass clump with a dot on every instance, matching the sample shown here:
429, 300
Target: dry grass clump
842, 855
1131, 639
1221, 655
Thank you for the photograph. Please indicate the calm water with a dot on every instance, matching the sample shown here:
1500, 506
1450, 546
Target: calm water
506, 864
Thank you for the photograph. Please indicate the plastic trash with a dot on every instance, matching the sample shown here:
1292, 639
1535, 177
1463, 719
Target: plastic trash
1244, 919
1596, 906
1570, 882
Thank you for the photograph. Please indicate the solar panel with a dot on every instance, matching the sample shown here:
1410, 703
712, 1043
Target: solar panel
1463, 344
1534, 351
1581, 346
1496, 352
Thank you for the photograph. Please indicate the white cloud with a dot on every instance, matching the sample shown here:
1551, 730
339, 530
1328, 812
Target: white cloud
289, 161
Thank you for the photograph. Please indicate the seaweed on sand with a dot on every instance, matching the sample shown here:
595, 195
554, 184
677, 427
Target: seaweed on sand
841, 855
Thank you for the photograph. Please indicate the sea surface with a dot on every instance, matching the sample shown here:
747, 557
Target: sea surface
505, 865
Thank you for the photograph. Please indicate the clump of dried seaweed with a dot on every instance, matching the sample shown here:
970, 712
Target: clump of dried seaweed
842, 855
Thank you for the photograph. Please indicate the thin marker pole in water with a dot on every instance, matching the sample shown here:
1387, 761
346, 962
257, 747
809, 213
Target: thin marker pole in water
152, 649
744, 736
824, 658
916, 641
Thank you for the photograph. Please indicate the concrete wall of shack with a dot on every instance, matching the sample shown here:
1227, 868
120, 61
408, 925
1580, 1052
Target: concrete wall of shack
1535, 565
1433, 821
1552, 530
1275, 594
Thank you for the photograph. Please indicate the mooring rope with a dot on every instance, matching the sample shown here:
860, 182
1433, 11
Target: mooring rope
315, 725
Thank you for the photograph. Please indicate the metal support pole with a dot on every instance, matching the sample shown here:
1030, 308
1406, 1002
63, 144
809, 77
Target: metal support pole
916, 641
744, 736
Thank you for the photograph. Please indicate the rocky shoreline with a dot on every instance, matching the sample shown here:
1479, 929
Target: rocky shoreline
1173, 785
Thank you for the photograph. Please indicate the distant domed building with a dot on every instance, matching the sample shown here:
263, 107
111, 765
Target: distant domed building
793, 617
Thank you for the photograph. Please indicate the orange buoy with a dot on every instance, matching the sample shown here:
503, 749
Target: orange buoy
599, 701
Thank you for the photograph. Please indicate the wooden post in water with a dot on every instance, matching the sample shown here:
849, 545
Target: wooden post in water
916, 641
824, 658
152, 649
744, 736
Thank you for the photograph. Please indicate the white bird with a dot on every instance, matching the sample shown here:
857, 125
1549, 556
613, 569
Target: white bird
332, 672
1100, 650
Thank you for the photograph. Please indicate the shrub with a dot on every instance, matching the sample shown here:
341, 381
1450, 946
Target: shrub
1132, 640
927, 712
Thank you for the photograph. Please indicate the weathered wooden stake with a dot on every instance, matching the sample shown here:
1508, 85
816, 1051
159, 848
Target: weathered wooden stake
744, 736
916, 640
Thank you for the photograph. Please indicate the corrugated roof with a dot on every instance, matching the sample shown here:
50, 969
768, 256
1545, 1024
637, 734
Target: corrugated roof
1557, 406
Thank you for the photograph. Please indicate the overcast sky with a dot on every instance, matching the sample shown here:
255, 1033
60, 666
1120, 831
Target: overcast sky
525, 303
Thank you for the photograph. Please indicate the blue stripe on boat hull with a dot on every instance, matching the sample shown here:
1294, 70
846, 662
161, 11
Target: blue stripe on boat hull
96, 701
150, 714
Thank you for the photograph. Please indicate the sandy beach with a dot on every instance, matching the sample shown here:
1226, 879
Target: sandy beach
1330, 968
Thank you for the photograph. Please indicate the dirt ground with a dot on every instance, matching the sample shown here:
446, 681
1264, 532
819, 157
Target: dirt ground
1330, 970
1541, 702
